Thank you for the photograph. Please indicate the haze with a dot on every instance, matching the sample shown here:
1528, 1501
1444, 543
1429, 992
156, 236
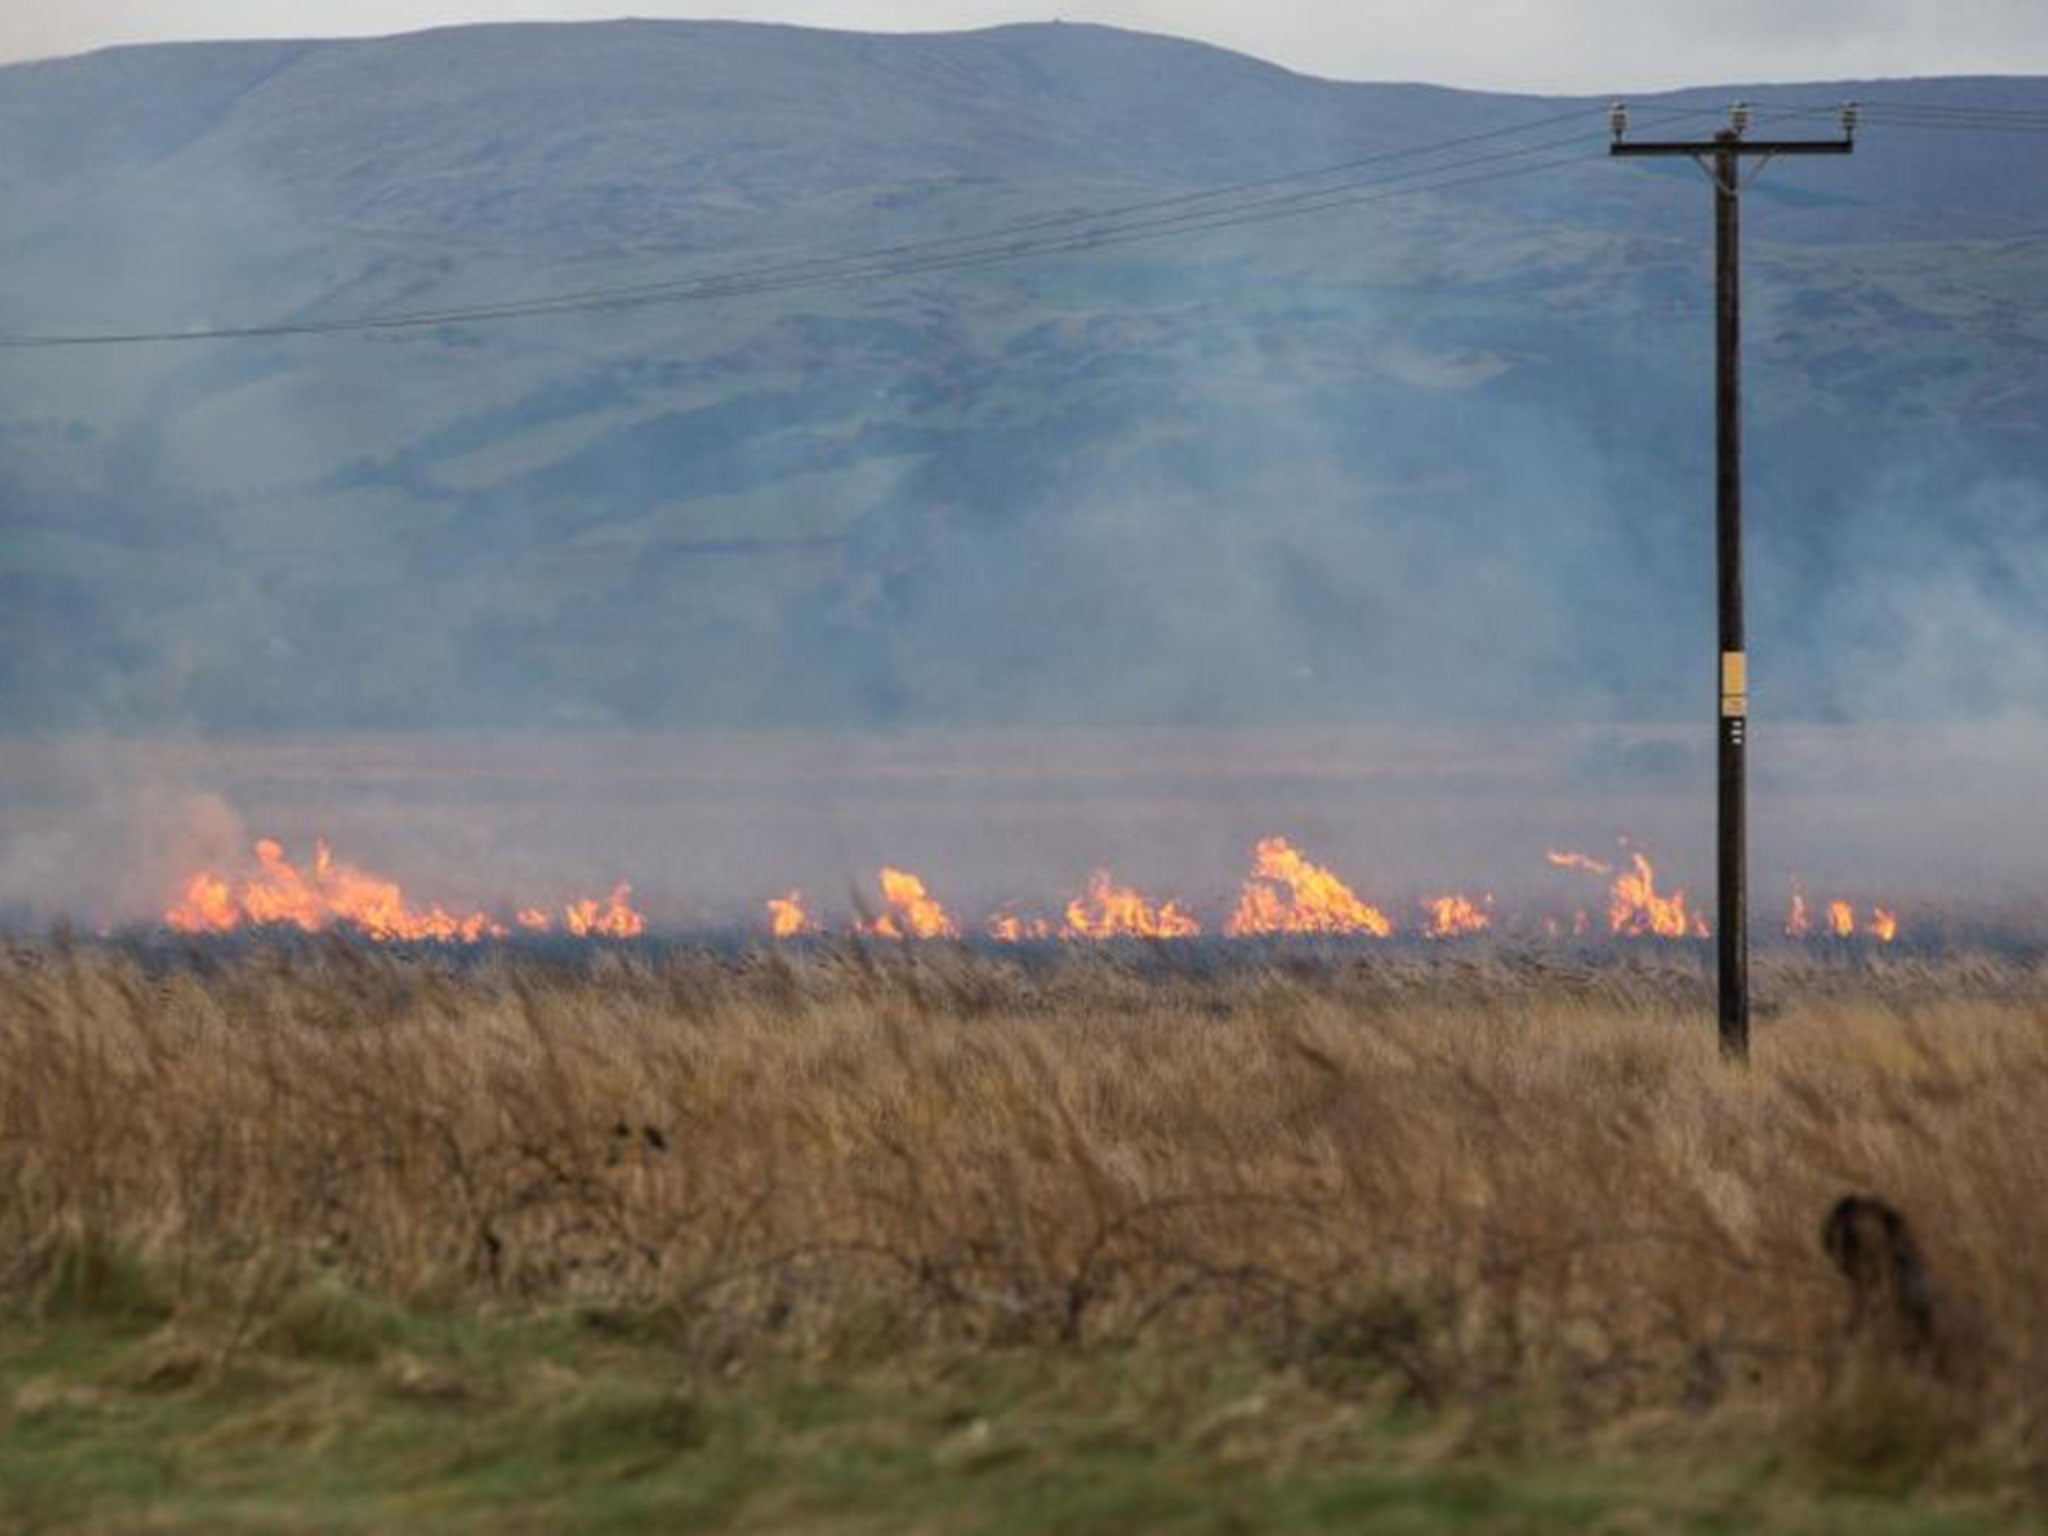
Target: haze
1384, 530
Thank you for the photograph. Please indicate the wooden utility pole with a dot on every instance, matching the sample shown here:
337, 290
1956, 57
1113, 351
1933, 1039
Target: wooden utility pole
1721, 158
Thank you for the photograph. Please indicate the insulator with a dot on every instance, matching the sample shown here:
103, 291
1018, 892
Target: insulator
1738, 117
1852, 114
1617, 120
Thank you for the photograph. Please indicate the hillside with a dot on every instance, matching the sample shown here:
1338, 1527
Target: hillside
1440, 456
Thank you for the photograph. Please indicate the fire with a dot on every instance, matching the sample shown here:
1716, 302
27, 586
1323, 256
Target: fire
334, 894
1287, 894
331, 894
1009, 928
1284, 893
1454, 916
613, 919
1635, 908
206, 904
1882, 925
912, 911
1111, 911
787, 918
1798, 922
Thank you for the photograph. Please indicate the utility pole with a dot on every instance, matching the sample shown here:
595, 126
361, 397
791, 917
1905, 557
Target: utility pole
1721, 158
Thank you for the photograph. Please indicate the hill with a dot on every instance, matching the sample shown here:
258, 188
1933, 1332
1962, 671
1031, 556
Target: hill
1439, 456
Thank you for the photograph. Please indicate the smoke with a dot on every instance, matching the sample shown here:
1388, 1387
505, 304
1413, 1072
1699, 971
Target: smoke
1949, 622
99, 831
1388, 534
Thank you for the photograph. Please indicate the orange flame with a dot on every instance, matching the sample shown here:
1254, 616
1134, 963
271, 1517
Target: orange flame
1313, 901
1112, 911
206, 904
614, 918
1455, 916
912, 911
1009, 928
331, 894
1840, 920
1283, 894
1798, 922
787, 918
1636, 909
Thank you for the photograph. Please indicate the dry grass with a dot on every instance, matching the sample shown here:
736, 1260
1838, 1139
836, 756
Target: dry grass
1449, 1185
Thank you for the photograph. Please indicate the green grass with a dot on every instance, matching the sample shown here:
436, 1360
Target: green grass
336, 1414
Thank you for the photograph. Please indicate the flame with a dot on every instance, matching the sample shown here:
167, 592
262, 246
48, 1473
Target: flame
614, 918
1635, 909
1314, 900
1008, 928
1798, 922
1283, 894
206, 904
1112, 911
331, 894
787, 918
1841, 919
912, 911
1455, 916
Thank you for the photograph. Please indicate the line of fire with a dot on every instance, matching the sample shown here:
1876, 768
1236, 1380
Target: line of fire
1283, 894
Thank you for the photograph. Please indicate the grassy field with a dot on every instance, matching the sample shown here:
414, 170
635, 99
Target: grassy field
316, 1238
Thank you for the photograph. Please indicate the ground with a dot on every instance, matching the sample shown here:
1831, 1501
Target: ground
312, 1237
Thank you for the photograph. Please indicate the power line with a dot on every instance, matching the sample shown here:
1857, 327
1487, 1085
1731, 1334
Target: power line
827, 265
1926, 117
1200, 212
1180, 214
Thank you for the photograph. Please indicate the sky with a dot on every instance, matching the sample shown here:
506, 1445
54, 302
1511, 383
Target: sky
1532, 45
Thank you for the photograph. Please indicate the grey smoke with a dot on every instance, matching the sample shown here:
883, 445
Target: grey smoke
993, 574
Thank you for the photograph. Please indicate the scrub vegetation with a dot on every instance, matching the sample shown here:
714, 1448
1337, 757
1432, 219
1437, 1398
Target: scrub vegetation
312, 1235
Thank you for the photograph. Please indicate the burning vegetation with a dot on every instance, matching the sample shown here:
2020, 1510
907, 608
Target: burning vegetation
1287, 894
1840, 922
911, 913
334, 895
1112, 911
787, 918
1455, 917
1284, 894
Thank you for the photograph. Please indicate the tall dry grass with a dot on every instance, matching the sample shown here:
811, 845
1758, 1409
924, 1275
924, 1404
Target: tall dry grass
1450, 1184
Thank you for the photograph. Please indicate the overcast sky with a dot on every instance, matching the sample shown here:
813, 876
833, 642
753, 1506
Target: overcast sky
1543, 45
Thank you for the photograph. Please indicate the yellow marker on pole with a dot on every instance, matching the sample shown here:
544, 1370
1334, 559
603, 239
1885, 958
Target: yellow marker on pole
1734, 684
